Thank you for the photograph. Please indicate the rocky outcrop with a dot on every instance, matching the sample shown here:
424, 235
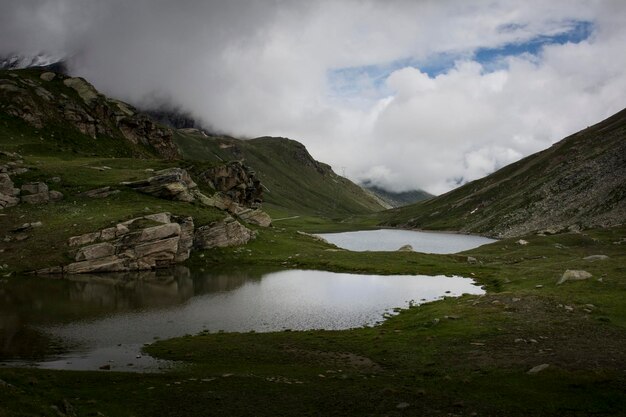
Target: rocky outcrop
38, 193
170, 184
75, 102
146, 243
227, 232
141, 129
149, 242
8, 192
235, 181
177, 184
252, 216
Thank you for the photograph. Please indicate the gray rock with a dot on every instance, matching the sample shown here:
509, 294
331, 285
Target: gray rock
596, 258
538, 368
8, 201
83, 239
39, 198
48, 76
522, 242
99, 250
471, 260
34, 188
574, 275
118, 249
7, 187
227, 232
55, 195
86, 91
256, 216
405, 248
170, 184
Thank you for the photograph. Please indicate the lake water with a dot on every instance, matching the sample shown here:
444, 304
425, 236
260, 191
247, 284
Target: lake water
84, 322
393, 239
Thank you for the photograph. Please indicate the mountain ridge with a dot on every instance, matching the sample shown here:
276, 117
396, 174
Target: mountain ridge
577, 183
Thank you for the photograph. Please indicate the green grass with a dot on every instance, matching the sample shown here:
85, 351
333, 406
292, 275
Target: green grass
474, 362
76, 214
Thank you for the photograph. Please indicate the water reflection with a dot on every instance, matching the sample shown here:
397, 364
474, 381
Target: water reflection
387, 240
81, 322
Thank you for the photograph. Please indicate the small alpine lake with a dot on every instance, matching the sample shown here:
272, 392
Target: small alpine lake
387, 240
89, 321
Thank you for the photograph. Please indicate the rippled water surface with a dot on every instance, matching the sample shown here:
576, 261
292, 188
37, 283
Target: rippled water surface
393, 239
88, 321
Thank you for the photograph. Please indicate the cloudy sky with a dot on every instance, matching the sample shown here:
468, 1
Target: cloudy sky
405, 93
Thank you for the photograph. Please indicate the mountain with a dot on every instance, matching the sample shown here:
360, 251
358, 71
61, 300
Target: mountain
393, 200
67, 116
76, 118
579, 182
291, 177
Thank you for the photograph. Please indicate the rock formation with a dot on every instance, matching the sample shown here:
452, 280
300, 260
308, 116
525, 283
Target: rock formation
31, 193
170, 184
227, 232
80, 105
236, 181
8, 192
38, 193
147, 243
177, 184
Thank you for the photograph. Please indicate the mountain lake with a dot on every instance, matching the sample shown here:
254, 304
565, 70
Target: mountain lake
85, 322
387, 240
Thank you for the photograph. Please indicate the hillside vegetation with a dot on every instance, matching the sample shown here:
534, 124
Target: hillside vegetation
579, 182
292, 178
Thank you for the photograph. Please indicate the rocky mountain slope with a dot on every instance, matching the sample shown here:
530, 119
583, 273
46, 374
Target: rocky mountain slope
67, 107
579, 182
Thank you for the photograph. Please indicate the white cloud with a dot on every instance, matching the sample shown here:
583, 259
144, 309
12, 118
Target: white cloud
262, 68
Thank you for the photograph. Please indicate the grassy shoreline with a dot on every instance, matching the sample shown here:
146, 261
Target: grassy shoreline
456, 356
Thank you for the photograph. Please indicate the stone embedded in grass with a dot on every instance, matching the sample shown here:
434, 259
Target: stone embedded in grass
574, 275
538, 368
595, 258
522, 242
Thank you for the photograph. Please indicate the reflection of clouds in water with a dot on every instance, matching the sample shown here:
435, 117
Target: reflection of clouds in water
393, 239
134, 310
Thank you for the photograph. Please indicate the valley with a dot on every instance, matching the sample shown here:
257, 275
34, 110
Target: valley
91, 184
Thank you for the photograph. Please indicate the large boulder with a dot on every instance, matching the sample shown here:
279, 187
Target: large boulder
227, 232
170, 184
149, 242
256, 216
8, 192
38, 193
574, 275
236, 181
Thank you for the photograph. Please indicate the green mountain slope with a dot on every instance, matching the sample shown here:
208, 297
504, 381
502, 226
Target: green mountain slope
292, 178
42, 113
579, 182
393, 199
